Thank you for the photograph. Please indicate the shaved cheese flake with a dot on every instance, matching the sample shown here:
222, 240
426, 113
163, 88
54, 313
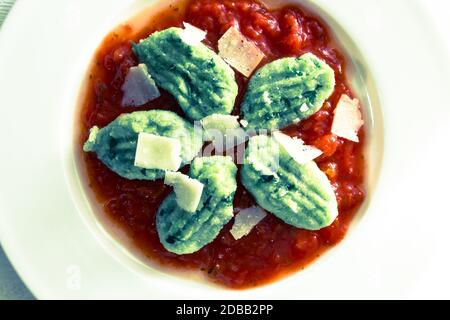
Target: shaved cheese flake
188, 191
224, 131
238, 52
220, 123
157, 152
265, 160
246, 220
347, 119
192, 35
231, 139
296, 148
139, 87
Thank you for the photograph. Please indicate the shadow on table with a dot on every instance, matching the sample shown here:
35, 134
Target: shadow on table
11, 286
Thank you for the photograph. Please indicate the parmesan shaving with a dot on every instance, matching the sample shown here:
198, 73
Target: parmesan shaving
347, 119
231, 139
219, 123
246, 220
238, 52
224, 131
296, 148
157, 152
139, 87
188, 191
192, 35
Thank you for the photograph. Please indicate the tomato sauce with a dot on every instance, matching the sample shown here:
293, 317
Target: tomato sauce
273, 249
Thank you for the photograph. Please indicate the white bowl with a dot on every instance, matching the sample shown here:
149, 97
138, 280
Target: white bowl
60, 248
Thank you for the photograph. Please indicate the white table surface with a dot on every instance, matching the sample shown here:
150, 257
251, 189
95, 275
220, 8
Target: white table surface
11, 287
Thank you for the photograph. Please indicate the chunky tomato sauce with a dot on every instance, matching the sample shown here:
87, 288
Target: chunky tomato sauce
273, 249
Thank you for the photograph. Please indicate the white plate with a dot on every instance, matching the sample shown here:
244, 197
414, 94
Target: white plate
398, 249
